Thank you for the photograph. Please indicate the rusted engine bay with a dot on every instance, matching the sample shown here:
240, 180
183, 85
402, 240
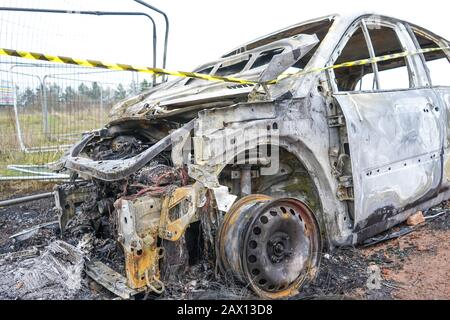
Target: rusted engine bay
139, 212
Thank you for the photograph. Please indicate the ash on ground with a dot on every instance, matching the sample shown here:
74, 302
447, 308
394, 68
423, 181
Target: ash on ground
38, 265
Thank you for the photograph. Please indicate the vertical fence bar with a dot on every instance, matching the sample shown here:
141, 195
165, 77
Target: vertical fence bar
45, 128
16, 116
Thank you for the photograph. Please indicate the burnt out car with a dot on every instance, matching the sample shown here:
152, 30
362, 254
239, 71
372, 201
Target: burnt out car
257, 179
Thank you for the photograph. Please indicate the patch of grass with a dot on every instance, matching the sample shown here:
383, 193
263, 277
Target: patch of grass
18, 157
65, 126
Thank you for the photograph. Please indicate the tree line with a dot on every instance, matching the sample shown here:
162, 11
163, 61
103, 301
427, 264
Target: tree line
57, 95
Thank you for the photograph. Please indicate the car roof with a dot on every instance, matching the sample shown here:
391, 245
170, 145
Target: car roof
343, 18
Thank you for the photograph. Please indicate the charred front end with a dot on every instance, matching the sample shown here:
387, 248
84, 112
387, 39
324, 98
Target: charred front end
199, 173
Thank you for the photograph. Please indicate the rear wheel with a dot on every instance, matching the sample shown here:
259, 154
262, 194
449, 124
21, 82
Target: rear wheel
272, 245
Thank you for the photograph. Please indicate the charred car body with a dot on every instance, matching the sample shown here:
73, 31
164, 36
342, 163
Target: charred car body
264, 176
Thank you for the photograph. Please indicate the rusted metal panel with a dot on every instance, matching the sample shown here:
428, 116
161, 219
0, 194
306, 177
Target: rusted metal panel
138, 222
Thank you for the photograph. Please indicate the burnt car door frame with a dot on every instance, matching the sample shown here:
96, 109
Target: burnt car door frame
442, 91
395, 141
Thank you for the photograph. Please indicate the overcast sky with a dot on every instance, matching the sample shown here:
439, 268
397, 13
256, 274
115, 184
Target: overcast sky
200, 30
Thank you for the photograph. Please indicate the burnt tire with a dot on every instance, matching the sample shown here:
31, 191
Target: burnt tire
273, 246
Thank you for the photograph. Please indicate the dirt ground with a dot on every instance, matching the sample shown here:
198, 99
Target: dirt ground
414, 266
417, 265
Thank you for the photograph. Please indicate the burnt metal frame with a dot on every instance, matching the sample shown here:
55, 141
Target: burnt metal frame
361, 22
412, 29
166, 35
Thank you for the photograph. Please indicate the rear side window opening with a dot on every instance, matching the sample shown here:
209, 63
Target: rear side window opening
437, 62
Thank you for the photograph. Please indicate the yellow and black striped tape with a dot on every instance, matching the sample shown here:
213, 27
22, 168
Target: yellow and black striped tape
184, 74
117, 66
363, 62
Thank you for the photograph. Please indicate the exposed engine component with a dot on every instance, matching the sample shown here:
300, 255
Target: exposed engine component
121, 147
160, 174
143, 221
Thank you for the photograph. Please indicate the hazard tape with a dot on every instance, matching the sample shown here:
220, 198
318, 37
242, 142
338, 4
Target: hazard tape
117, 66
363, 62
184, 74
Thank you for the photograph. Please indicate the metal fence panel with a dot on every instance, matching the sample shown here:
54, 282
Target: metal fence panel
45, 107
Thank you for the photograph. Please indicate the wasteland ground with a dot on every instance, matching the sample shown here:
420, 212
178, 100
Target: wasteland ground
413, 266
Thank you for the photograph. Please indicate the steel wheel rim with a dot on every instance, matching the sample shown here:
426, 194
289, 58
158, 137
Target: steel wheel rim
287, 251
231, 217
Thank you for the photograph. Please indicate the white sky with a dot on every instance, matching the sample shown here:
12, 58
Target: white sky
200, 30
